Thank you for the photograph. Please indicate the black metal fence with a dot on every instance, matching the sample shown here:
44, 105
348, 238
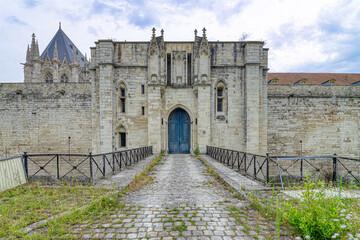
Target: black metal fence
83, 168
286, 170
326, 168
256, 166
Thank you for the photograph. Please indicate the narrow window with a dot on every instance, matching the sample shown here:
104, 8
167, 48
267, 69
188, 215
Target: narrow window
168, 68
122, 139
142, 89
122, 99
220, 105
143, 111
220, 102
122, 105
189, 68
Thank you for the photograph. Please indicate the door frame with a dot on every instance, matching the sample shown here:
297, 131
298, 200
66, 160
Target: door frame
166, 126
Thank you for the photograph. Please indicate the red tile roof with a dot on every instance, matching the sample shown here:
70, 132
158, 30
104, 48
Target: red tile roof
315, 78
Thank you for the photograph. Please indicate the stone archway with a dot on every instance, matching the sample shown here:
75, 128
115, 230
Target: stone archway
179, 131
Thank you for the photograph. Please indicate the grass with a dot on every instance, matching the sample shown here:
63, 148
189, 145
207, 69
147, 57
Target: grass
313, 216
28, 204
31, 203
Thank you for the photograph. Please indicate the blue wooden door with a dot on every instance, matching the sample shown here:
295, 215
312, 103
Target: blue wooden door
179, 132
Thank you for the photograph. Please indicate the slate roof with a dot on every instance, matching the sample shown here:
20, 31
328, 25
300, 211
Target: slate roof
315, 78
65, 48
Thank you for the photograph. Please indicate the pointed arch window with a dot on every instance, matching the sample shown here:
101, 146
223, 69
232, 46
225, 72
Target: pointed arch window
220, 101
220, 97
121, 139
49, 77
64, 78
122, 98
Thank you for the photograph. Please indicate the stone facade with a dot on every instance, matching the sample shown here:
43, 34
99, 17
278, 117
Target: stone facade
325, 118
123, 97
159, 77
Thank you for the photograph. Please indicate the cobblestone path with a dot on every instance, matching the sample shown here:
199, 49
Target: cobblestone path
183, 202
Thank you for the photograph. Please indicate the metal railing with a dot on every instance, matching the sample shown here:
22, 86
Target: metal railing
83, 168
286, 170
326, 168
256, 166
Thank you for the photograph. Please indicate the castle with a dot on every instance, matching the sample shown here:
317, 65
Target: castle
173, 96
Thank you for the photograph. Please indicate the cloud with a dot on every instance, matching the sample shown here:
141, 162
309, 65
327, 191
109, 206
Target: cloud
15, 20
303, 36
30, 3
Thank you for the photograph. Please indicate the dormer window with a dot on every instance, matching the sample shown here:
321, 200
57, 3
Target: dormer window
301, 82
273, 81
329, 82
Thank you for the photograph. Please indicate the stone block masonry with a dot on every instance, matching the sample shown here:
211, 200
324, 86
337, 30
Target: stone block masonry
325, 118
40, 118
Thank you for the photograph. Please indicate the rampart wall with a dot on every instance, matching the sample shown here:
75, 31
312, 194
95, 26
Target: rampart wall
325, 118
40, 118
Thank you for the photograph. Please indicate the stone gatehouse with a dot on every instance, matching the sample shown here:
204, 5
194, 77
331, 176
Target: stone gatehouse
171, 95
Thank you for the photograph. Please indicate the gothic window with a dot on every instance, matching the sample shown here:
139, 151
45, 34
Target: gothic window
49, 77
122, 99
220, 98
64, 78
121, 138
143, 111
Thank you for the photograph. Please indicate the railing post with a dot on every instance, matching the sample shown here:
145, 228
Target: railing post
91, 170
113, 157
301, 170
255, 167
267, 168
104, 165
120, 159
26, 165
57, 167
245, 162
335, 168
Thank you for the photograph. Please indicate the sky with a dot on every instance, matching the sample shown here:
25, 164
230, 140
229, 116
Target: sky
302, 35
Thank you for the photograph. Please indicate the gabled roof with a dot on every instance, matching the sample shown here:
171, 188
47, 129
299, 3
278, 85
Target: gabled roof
64, 46
315, 78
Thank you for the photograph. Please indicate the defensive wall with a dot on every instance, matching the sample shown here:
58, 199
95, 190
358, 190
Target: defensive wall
40, 118
325, 118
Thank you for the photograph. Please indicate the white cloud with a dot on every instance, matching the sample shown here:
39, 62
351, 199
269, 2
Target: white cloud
305, 35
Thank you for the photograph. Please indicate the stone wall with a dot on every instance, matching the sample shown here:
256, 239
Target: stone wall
40, 118
325, 118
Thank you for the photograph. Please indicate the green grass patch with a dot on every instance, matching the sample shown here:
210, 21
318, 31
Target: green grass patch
314, 215
27, 204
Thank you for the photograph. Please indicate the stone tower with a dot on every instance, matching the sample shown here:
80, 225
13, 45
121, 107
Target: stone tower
61, 61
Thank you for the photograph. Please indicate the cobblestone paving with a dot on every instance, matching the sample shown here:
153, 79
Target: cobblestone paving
183, 202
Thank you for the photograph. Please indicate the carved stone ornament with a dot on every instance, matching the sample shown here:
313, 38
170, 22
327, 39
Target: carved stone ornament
196, 93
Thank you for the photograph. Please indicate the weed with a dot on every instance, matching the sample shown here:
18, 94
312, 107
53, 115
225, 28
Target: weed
197, 150
180, 228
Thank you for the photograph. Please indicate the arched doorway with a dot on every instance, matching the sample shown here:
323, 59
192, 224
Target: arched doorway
179, 131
